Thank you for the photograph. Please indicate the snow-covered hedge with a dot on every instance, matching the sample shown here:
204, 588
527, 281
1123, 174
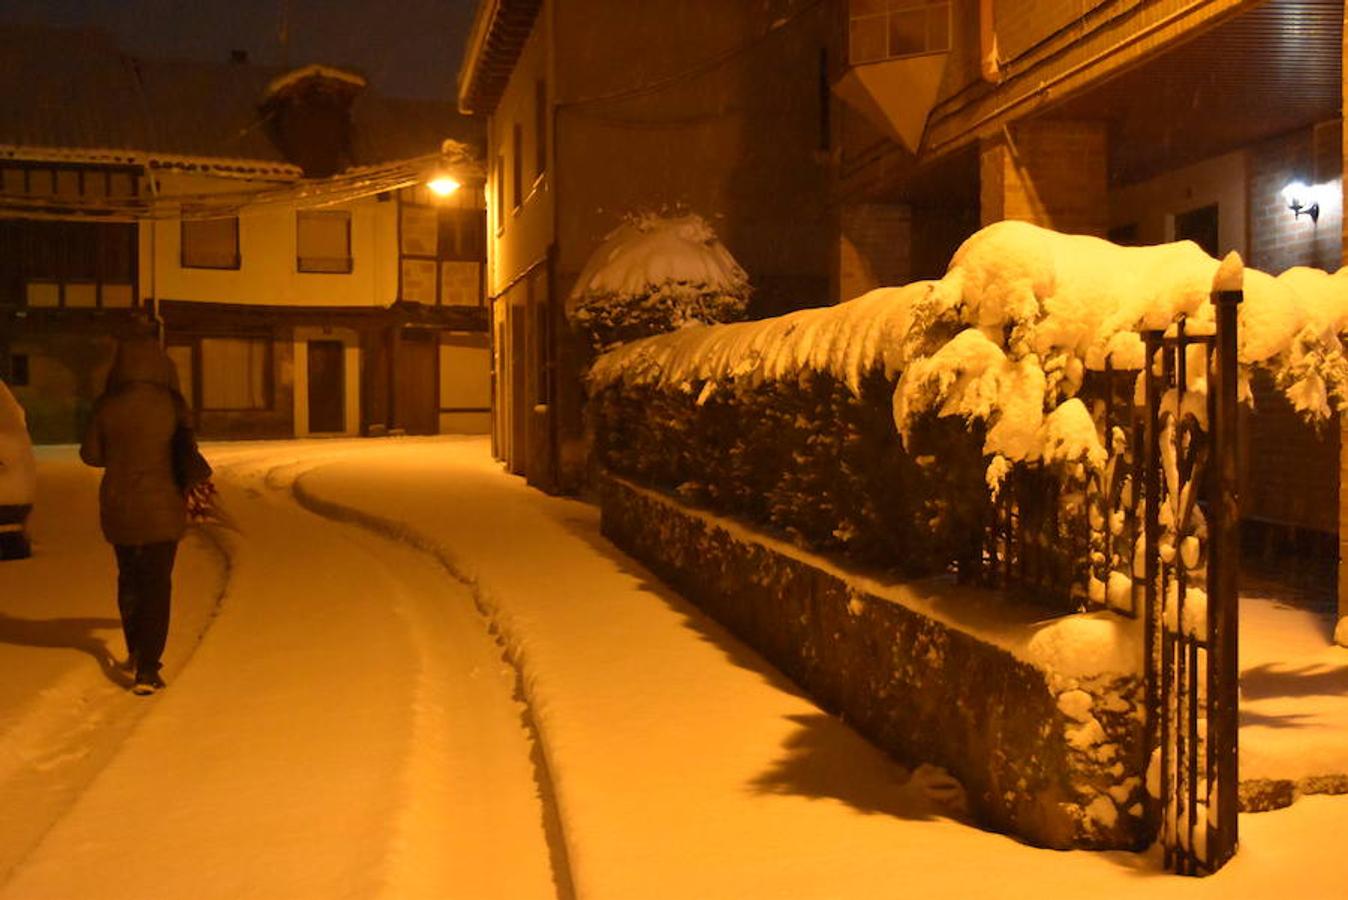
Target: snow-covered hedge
808, 458
653, 275
793, 421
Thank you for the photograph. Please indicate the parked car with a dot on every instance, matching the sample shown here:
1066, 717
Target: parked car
18, 478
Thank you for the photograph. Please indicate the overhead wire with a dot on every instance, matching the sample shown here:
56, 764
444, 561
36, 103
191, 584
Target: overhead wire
304, 194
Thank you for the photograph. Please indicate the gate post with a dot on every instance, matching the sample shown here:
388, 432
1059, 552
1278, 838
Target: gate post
1223, 588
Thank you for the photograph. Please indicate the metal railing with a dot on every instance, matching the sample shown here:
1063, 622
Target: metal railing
1155, 534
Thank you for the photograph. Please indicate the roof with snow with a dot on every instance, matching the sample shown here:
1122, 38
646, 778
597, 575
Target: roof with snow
85, 100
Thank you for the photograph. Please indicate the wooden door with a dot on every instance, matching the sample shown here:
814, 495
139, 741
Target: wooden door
327, 387
416, 397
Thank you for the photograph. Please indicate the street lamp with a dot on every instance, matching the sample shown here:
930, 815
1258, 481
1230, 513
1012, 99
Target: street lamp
443, 185
1299, 199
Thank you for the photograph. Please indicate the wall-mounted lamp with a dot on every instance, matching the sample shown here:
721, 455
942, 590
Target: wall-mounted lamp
1299, 201
443, 185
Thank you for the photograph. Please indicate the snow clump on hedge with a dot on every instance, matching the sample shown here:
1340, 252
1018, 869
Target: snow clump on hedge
653, 275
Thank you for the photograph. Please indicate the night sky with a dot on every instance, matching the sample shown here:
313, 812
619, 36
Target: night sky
410, 48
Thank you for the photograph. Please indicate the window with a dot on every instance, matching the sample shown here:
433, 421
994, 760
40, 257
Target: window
540, 128
323, 241
517, 166
211, 243
442, 250
500, 193
68, 265
463, 234
235, 373
887, 29
18, 370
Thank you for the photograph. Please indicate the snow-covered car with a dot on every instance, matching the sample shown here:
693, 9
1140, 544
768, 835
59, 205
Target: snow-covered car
18, 477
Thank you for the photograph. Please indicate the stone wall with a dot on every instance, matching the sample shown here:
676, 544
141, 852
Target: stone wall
1057, 761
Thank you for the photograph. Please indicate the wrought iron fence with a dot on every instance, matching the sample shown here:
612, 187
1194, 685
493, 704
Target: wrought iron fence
1155, 533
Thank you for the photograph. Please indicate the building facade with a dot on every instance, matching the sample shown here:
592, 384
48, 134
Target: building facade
1144, 121
274, 227
845, 145
594, 116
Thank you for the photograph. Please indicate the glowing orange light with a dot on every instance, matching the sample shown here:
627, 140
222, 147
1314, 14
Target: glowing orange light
443, 185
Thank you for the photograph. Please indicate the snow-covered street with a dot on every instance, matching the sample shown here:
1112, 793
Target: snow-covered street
400, 672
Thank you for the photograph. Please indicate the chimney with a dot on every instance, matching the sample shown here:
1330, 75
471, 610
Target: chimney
308, 113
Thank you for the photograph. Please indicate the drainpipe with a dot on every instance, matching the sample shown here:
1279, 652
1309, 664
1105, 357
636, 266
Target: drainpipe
154, 259
987, 44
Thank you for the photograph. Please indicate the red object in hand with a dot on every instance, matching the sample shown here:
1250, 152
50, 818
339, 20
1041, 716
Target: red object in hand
200, 501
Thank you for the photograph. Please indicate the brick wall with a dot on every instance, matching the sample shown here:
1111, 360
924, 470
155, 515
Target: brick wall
1279, 240
1052, 173
1021, 24
1293, 465
873, 247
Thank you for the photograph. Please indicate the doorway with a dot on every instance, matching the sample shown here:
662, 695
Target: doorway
417, 408
1200, 226
327, 387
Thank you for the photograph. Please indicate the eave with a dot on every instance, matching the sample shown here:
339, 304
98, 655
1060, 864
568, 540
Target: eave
500, 29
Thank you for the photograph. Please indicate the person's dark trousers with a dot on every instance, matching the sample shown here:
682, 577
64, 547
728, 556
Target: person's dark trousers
144, 587
13, 540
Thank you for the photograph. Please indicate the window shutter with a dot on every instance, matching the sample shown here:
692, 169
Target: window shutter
211, 243
323, 241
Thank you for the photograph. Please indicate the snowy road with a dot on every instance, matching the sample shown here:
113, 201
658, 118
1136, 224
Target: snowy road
427, 680
347, 728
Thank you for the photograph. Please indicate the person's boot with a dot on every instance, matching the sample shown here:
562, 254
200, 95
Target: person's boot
147, 683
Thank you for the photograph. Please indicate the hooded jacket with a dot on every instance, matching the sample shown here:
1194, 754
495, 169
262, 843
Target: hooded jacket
131, 437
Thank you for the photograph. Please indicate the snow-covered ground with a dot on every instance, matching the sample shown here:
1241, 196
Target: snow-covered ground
347, 726
1293, 693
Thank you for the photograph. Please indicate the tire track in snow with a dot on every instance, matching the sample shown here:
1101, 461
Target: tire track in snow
392, 529
71, 746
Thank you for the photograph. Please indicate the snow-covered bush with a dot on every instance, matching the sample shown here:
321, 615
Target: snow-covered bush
652, 275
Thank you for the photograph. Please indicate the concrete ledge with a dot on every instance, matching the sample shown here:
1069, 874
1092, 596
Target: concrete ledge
1266, 794
1055, 759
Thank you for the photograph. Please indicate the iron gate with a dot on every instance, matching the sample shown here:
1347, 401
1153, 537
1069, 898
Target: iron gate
1190, 519
1154, 535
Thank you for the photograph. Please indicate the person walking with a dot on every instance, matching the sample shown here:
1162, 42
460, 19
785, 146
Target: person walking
142, 505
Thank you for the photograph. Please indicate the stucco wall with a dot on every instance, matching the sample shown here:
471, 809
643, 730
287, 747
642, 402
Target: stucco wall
521, 236
739, 141
268, 274
1153, 204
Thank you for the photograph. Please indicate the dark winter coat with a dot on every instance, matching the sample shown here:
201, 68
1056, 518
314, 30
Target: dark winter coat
131, 437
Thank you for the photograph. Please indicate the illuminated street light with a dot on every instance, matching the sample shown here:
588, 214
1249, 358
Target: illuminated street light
443, 185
